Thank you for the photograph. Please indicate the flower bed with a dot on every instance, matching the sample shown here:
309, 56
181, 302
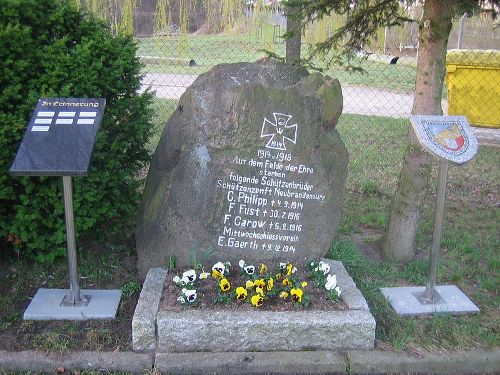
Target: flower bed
281, 288
276, 325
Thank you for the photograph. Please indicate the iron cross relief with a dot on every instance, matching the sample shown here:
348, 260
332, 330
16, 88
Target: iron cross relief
279, 132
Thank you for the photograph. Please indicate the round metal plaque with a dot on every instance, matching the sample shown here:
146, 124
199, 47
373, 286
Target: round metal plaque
447, 137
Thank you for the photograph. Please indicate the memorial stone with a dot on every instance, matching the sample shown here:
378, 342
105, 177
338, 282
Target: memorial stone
250, 164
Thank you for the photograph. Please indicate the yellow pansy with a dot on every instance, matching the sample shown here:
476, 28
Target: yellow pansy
270, 284
249, 284
260, 283
303, 284
257, 300
286, 282
216, 274
284, 295
241, 293
296, 294
263, 269
277, 276
224, 285
260, 291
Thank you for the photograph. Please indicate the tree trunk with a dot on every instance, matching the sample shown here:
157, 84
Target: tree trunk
435, 27
294, 39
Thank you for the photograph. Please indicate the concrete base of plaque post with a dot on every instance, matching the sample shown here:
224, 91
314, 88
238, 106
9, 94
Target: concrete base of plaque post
450, 300
48, 305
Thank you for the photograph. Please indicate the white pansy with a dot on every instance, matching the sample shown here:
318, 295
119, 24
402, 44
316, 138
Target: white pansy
337, 289
294, 269
250, 270
176, 279
181, 299
204, 275
282, 266
185, 280
190, 275
323, 267
241, 263
219, 266
190, 295
331, 282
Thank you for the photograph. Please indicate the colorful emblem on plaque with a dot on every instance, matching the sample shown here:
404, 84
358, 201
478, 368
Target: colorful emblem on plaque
279, 132
448, 137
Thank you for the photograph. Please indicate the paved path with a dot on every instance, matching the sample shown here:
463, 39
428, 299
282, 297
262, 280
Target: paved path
361, 100
357, 362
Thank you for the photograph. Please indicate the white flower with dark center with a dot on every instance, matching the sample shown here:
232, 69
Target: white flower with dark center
331, 282
176, 279
323, 267
185, 280
190, 275
283, 266
250, 270
181, 299
220, 267
241, 263
190, 295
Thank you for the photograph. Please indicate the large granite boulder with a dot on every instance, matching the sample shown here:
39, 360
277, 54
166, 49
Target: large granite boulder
250, 164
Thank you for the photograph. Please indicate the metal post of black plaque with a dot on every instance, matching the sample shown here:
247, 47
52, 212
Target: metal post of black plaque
451, 140
73, 297
59, 141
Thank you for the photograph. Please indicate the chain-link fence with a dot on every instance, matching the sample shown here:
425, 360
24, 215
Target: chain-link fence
377, 101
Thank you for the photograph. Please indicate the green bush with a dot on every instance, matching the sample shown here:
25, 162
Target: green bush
50, 49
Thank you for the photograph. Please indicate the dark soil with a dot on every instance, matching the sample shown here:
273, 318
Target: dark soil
207, 292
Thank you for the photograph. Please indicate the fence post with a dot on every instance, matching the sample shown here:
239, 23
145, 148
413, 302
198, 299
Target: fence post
294, 32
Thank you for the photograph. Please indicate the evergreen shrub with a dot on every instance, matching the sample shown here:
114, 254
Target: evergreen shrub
48, 48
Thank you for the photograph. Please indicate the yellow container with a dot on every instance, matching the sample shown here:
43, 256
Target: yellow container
473, 78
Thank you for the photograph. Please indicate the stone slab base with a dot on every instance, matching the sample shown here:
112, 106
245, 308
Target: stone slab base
405, 302
46, 305
193, 330
234, 331
144, 319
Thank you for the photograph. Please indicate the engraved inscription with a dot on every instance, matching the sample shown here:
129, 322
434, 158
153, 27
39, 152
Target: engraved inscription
263, 209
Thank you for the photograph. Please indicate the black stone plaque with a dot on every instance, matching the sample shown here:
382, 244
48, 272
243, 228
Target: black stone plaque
60, 137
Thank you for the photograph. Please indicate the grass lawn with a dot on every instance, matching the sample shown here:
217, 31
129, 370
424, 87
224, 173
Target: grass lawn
163, 110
